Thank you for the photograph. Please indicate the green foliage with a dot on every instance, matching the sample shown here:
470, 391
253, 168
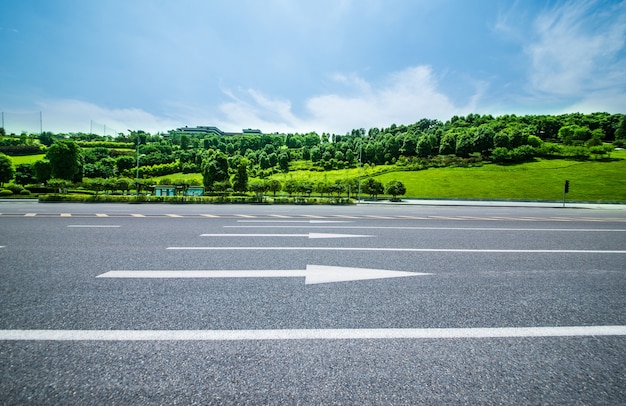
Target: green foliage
240, 180
66, 160
214, 169
61, 185
372, 187
106, 144
7, 171
15, 189
19, 150
620, 131
43, 170
25, 174
395, 188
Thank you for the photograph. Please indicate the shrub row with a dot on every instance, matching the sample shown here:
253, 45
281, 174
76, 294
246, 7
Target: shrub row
188, 199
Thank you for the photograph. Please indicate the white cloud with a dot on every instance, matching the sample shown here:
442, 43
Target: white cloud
404, 97
69, 115
577, 49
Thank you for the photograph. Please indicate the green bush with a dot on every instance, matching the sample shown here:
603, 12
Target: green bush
16, 189
6, 192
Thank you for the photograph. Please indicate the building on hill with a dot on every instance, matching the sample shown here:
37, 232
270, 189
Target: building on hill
200, 130
206, 130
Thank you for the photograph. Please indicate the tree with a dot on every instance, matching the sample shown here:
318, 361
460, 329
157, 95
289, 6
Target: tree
96, 184
372, 187
24, 174
290, 186
425, 146
66, 160
464, 145
448, 144
240, 180
338, 187
214, 168
42, 170
283, 162
7, 171
274, 186
395, 188
620, 131
124, 184
125, 162
258, 187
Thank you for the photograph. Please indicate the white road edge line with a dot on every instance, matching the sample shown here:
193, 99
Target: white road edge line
576, 230
486, 251
309, 334
92, 226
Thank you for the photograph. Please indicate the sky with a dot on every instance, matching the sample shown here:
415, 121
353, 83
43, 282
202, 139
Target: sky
303, 65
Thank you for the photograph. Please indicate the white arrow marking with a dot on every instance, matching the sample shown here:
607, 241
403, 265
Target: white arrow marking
308, 235
313, 274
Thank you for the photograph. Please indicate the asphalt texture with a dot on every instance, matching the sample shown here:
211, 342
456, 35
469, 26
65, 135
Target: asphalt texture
489, 266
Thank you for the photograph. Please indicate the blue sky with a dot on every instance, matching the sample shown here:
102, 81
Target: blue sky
304, 65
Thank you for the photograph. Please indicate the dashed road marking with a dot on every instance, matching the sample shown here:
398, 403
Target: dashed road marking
336, 216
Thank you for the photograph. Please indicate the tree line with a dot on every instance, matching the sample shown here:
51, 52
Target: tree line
226, 162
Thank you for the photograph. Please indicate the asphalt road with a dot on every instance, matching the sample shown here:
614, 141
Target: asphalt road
494, 305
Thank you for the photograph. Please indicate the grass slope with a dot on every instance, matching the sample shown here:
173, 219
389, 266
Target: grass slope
593, 180
540, 180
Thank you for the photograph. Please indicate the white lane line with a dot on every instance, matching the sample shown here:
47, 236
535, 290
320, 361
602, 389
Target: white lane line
30, 214
295, 221
102, 215
308, 235
212, 216
487, 251
137, 215
2, 246
574, 230
174, 215
65, 214
92, 226
310, 334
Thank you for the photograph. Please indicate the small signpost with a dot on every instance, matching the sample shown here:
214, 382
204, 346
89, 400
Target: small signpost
565, 190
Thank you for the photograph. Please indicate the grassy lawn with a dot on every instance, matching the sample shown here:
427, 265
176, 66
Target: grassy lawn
541, 180
26, 159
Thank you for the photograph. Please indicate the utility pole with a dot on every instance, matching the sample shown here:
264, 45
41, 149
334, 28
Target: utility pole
565, 190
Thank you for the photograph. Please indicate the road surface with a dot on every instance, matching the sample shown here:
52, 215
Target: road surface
368, 304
